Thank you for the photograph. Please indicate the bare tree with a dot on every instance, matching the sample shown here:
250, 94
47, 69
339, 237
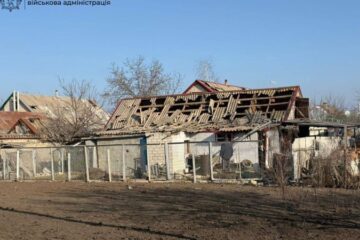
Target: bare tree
330, 108
137, 78
357, 105
333, 109
281, 171
74, 115
353, 114
205, 71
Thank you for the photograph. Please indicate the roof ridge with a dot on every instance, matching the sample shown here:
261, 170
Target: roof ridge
215, 92
40, 95
223, 84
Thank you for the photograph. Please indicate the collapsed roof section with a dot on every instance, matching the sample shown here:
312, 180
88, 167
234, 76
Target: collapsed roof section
226, 111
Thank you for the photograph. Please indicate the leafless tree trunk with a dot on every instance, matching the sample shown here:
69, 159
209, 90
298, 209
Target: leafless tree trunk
281, 171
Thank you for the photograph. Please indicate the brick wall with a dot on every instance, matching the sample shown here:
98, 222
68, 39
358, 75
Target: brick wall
177, 153
133, 154
155, 153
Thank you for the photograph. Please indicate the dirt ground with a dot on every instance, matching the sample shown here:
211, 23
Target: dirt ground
77, 210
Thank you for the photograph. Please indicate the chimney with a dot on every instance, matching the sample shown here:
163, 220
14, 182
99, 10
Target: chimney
13, 101
17, 101
225, 81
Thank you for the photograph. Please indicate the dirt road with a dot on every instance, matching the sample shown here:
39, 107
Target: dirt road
77, 210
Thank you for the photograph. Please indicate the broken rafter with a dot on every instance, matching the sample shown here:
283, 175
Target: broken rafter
286, 97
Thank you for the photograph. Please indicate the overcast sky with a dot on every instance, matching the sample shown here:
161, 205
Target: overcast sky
314, 44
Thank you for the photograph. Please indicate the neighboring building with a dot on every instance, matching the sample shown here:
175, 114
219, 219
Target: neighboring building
21, 143
20, 129
56, 107
22, 121
206, 86
47, 105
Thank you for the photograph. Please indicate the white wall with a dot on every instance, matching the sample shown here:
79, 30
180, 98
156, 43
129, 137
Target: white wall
132, 154
177, 153
303, 148
242, 150
247, 150
272, 139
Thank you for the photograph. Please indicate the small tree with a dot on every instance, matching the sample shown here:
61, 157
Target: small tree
281, 171
136, 78
76, 114
281, 168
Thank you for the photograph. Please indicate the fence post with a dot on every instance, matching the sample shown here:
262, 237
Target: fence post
95, 157
4, 169
345, 155
167, 161
4, 166
194, 167
69, 166
148, 164
211, 162
62, 160
17, 165
34, 162
109, 164
87, 177
123, 162
239, 159
52, 165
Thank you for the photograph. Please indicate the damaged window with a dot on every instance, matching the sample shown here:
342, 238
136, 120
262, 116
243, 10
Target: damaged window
222, 137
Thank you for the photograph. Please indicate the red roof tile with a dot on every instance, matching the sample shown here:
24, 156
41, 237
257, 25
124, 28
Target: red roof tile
8, 120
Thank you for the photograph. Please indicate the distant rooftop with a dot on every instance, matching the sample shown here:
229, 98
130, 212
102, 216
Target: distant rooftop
48, 105
207, 86
20, 124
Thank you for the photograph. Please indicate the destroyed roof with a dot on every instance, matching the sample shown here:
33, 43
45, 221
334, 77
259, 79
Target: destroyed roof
207, 86
19, 124
228, 111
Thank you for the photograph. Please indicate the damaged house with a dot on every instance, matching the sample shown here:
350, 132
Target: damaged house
255, 120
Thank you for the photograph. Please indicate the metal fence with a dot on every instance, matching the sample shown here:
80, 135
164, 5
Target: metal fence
185, 161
